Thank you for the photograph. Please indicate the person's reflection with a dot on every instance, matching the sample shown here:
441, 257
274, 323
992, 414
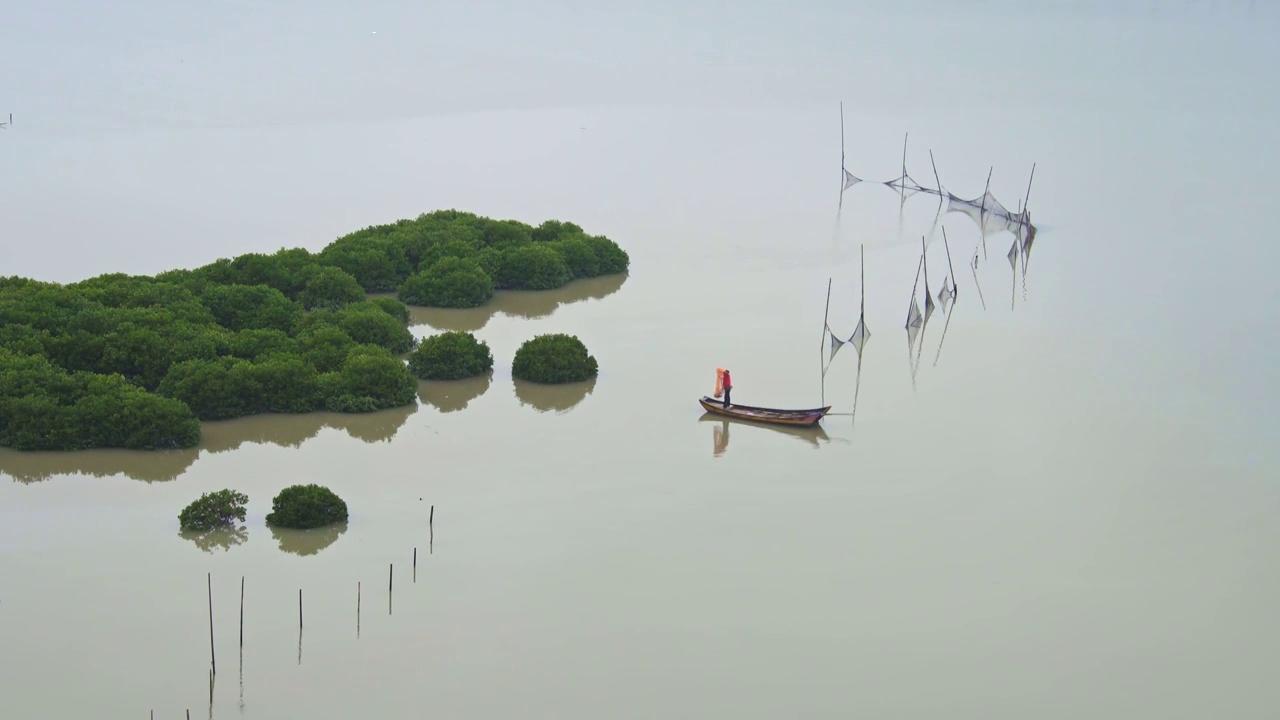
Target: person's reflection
720, 438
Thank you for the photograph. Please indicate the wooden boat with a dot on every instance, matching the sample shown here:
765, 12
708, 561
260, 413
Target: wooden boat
772, 416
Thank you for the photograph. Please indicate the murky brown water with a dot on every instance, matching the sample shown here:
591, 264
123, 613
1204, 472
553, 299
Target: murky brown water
1065, 510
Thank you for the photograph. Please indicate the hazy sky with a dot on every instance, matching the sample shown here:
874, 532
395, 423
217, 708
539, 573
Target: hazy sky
79, 65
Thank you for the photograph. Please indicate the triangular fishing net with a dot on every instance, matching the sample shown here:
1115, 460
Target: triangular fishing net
907, 183
860, 336
989, 214
928, 303
850, 179
913, 315
836, 344
946, 293
1013, 255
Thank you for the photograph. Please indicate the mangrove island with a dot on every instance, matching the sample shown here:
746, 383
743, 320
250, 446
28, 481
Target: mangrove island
134, 361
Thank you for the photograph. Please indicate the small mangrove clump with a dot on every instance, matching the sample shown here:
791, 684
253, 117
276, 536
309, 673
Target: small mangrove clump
214, 510
450, 356
303, 507
554, 358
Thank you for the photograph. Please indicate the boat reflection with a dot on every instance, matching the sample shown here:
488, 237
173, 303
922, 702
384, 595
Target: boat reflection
814, 435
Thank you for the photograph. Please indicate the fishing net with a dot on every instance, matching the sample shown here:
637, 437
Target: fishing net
850, 179
860, 336
990, 215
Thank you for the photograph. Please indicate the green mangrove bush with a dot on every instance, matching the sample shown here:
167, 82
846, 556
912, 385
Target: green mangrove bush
554, 358
306, 506
213, 510
453, 282
450, 356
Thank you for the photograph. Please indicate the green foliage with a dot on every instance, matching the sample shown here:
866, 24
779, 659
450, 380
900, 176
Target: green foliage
450, 356
329, 288
451, 282
371, 379
325, 347
533, 267
555, 358
123, 360
393, 307
43, 407
512, 254
245, 307
212, 510
306, 506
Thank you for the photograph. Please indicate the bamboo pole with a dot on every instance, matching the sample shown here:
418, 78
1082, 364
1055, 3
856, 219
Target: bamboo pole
213, 659
935, 173
954, 290
982, 212
826, 314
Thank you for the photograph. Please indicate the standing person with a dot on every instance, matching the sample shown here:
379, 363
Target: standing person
728, 385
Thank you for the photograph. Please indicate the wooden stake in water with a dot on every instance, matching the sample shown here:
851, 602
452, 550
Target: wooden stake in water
982, 212
431, 529
213, 660
415, 565
299, 608
241, 612
357, 608
935, 173
947, 246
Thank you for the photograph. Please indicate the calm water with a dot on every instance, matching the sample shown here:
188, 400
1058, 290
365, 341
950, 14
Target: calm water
1066, 510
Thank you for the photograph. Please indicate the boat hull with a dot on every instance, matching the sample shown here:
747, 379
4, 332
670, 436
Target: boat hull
769, 416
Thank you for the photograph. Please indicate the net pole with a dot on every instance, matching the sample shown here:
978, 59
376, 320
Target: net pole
902, 184
924, 259
950, 267
1027, 197
974, 269
982, 212
1026, 201
935, 173
916, 285
825, 316
862, 263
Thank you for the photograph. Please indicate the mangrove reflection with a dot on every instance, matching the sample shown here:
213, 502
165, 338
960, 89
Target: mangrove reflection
215, 437
560, 398
293, 430
145, 465
453, 395
307, 542
223, 538
529, 304
814, 436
